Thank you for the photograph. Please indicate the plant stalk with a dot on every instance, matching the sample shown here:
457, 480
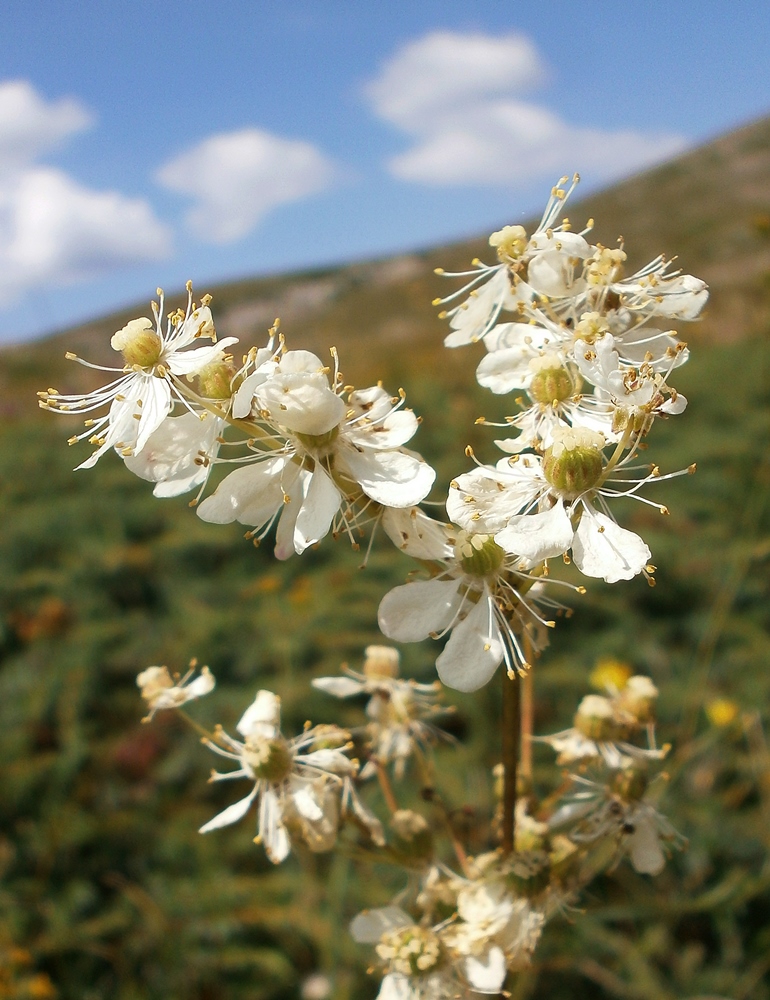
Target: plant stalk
511, 722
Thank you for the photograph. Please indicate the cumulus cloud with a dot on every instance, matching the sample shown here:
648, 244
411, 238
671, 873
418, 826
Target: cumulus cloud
236, 178
30, 126
460, 97
53, 230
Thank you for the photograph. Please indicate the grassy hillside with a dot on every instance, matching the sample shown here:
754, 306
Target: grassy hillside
107, 891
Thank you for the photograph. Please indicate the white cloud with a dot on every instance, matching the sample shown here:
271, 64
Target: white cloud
30, 126
458, 96
53, 230
236, 178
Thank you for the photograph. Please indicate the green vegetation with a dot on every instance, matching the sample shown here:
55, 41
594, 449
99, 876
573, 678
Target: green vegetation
107, 890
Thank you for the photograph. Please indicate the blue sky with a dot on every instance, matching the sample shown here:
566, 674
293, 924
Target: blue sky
148, 142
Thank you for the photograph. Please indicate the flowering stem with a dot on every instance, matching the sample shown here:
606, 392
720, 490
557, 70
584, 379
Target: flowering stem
511, 722
386, 787
527, 711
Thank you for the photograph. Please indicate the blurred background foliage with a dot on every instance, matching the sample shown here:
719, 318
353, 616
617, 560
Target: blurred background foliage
107, 890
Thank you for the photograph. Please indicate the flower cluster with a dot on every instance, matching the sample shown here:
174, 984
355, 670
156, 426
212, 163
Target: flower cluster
589, 355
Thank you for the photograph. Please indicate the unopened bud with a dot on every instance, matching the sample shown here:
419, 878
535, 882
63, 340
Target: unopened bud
381, 662
413, 836
595, 718
639, 697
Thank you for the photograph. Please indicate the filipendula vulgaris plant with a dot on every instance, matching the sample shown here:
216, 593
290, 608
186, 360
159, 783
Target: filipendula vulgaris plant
588, 352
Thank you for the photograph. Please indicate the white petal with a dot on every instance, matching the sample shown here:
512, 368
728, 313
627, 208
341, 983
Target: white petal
301, 403
474, 650
316, 514
369, 926
394, 986
296, 362
413, 532
156, 405
271, 828
601, 548
643, 845
329, 759
245, 394
392, 478
189, 362
487, 973
306, 804
262, 717
538, 536
202, 684
369, 820
674, 405
169, 457
506, 370
230, 815
252, 494
555, 273
340, 687
411, 612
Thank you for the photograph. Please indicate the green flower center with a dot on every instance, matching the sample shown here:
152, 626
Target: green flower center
270, 759
573, 470
319, 444
551, 385
479, 555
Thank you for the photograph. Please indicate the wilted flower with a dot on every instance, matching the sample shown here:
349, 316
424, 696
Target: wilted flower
160, 690
303, 784
398, 709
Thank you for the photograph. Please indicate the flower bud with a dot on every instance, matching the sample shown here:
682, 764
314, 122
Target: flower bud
595, 718
413, 836
139, 343
479, 555
381, 662
638, 698
574, 462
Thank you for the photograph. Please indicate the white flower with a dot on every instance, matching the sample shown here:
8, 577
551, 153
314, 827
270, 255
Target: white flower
419, 962
548, 263
623, 812
160, 690
602, 727
335, 453
476, 593
539, 508
302, 784
142, 396
398, 709
493, 922
637, 395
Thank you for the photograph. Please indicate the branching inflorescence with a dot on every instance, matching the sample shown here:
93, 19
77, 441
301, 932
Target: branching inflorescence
588, 355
